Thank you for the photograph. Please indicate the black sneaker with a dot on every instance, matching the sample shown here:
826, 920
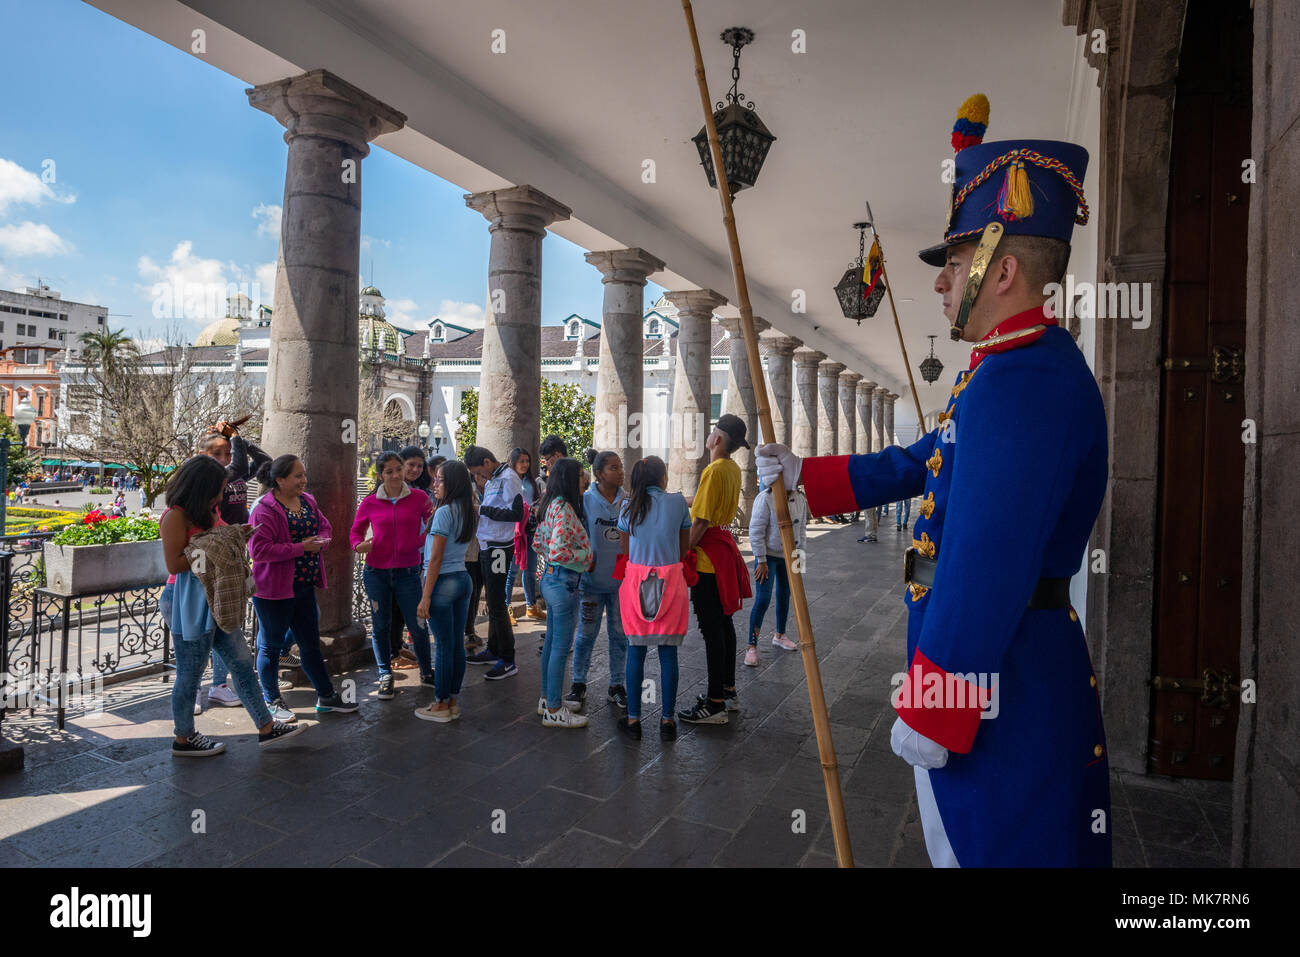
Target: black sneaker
279, 731
502, 669
385, 692
427, 679
668, 730
630, 728
576, 699
705, 712
618, 695
483, 657
335, 702
197, 746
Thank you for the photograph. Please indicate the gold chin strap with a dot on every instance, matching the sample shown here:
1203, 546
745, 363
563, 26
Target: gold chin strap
978, 266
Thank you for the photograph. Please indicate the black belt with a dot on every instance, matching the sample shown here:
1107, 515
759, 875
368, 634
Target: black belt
1048, 593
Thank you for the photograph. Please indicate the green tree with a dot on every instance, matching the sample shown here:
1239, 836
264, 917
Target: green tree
106, 349
21, 461
567, 411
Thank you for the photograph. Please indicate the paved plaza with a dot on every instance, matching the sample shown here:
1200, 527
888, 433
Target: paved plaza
380, 788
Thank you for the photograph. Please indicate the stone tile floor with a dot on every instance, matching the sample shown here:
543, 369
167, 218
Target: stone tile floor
495, 789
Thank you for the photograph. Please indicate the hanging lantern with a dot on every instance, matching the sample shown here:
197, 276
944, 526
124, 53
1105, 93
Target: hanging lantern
931, 367
744, 138
862, 287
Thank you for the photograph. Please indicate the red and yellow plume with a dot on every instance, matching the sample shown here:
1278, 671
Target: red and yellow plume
972, 121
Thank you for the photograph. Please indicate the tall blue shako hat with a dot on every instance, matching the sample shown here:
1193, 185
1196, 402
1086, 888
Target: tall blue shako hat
1008, 188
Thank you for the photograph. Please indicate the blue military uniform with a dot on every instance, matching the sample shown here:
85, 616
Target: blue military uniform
1010, 482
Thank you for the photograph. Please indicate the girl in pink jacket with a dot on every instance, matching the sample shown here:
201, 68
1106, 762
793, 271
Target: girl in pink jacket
397, 517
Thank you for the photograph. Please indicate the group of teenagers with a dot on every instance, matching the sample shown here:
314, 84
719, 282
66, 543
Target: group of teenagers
435, 535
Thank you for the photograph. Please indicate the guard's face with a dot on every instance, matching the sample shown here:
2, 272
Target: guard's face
951, 281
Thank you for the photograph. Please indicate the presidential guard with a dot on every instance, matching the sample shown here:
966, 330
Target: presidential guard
999, 713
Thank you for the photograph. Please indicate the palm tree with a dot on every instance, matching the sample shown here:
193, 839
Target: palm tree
106, 348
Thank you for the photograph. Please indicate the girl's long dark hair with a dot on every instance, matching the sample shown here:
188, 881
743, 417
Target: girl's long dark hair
384, 457
515, 454
598, 460
649, 471
458, 491
196, 483
564, 483
424, 480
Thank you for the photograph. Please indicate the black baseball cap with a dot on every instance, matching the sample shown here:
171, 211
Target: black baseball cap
734, 427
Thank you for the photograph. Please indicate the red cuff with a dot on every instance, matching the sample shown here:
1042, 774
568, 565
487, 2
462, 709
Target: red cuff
945, 708
620, 568
827, 486
689, 571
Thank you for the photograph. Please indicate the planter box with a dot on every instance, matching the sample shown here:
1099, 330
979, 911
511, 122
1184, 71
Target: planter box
85, 569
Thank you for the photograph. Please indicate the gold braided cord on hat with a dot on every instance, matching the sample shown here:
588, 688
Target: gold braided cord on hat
1038, 159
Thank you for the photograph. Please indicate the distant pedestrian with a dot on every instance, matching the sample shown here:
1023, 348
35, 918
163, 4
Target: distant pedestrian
770, 571
501, 509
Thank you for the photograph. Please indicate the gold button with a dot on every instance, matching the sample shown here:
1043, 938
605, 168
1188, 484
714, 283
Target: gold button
1074, 615
1092, 682
1096, 752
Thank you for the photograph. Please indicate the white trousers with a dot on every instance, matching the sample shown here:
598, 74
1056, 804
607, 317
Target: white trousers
936, 838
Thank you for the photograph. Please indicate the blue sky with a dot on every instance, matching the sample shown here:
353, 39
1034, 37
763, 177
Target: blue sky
125, 162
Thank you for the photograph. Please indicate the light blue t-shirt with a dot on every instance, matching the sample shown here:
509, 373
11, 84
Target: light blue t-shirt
602, 531
655, 540
447, 523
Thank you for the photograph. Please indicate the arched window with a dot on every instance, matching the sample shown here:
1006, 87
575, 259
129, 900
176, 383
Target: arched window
652, 328
437, 332
573, 330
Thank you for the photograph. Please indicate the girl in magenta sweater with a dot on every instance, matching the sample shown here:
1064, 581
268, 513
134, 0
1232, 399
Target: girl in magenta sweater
397, 517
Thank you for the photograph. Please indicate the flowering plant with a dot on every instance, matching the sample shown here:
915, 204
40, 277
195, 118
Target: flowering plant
108, 531
94, 518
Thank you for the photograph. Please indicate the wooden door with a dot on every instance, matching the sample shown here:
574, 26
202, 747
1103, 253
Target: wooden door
1197, 627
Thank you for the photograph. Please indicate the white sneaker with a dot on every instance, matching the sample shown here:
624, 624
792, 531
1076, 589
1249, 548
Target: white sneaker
541, 707
564, 718
280, 713
781, 641
223, 695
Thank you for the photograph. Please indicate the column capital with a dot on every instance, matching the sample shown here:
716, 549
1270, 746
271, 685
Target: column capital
880, 392
696, 302
850, 378
783, 346
630, 266
318, 103
808, 358
866, 386
890, 396
829, 367
518, 207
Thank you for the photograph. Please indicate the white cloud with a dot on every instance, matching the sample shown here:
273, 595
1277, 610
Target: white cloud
368, 242
18, 185
32, 239
265, 285
268, 220
466, 314
191, 287
400, 311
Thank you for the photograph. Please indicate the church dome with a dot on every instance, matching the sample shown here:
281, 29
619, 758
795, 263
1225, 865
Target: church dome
223, 332
372, 291
378, 334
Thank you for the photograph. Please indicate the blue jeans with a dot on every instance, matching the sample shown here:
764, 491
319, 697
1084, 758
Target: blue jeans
275, 616
530, 576
448, 610
192, 658
560, 589
220, 673
590, 604
667, 677
382, 585
903, 510
763, 597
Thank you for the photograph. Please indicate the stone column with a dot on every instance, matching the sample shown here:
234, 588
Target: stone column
687, 455
890, 399
828, 407
866, 436
741, 402
510, 386
878, 415
620, 386
849, 412
804, 416
780, 370
313, 371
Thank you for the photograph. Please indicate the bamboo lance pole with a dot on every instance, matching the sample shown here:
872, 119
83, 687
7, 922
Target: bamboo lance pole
816, 696
889, 290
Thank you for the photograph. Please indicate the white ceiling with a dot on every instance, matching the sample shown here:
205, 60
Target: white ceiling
589, 89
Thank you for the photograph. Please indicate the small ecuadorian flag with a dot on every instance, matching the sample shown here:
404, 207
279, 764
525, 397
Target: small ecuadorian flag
871, 269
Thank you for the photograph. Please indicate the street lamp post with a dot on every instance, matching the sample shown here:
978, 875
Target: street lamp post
438, 436
424, 436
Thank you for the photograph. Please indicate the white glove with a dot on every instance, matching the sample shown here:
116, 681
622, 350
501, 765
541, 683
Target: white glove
775, 459
916, 749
